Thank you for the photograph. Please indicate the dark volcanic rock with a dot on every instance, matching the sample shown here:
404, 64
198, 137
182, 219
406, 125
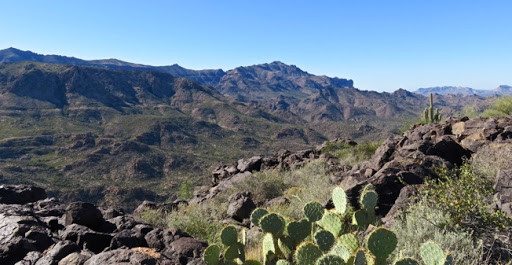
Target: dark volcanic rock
83, 213
121, 256
240, 206
20, 194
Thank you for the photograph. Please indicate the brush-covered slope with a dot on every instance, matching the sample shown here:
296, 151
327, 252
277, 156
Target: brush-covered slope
121, 136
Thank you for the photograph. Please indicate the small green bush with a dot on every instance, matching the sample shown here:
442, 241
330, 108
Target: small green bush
501, 106
200, 221
466, 197
351, 155
422, 222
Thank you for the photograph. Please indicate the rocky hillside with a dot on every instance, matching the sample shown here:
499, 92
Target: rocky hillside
35, 229
453, 90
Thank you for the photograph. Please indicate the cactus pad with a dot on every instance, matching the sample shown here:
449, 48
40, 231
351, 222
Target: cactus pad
307, 253
211, 255
257, 214
273, 223
406, 261
368, 200
381, 242
286, 245
299, 230
432, 254
340, 250
282, 262
330, 260
268, 247
313, 211
332, 222
340, 201
324, 239
360, 258
362, 218
350, 241
229, 235
231, 253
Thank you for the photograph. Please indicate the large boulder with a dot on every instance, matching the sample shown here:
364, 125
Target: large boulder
121, 257
240, 206
85, 214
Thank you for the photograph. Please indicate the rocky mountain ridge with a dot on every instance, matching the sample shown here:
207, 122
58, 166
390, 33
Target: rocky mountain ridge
501, 90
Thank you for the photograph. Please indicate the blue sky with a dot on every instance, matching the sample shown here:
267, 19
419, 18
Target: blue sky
381, 45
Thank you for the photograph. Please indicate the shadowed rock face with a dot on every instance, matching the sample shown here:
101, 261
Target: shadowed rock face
46, 231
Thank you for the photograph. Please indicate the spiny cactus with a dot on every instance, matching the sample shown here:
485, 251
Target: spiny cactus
432, 254
273, 223
268, 248
406, 261
313, 211
341, 250
330, 260
350, 241
257, 214
381, 242
229, 235
429, 114
299, 230
332, 222
211, 255
286, 246
282, 262
324, 239
340, 201
307, 253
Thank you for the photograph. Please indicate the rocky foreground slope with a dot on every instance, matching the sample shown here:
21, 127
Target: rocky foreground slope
38, 230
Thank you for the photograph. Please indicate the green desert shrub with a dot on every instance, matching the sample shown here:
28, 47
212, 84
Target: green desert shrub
422, 222
351, 155
501, 106
200, 221
466, 197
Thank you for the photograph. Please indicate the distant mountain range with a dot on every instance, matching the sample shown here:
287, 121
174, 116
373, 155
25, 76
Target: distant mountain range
69, 124
457, 90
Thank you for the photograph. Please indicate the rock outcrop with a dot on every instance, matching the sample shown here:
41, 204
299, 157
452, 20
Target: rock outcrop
407, 160
39, 230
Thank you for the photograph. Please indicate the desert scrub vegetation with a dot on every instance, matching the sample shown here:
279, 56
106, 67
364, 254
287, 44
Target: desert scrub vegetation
422, 222
351, 155
204, 221
501, 106
466, 197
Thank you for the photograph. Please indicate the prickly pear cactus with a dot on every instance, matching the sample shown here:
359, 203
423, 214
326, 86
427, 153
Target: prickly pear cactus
368, 200
229, 235
340, 201
324, 239
257, 214
432, 254
406, 261
350, 241
313, 211
332, 222
268, 247
299, 230
286, 245
362, 219
340, 250
330, 260
273, 223
211, 255
381, 242
307, 253
282, 262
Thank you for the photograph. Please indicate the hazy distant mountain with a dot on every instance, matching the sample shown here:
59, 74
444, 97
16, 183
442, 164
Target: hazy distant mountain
457, 90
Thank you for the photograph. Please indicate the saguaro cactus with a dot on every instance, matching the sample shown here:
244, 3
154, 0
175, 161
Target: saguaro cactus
429, 114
